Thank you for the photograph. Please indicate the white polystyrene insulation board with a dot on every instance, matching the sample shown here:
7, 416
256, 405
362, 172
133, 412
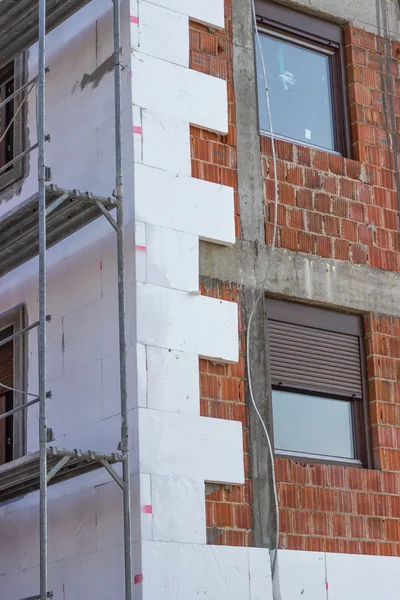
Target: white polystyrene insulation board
188, 571
300, 575
209, 12
185, 93
185, 204
190, 447
358, 577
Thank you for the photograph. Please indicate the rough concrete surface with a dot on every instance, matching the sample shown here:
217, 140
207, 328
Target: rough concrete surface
360, 13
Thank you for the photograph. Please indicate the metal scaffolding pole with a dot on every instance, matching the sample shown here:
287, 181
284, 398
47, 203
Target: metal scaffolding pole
121, 304
42, 299
22, 236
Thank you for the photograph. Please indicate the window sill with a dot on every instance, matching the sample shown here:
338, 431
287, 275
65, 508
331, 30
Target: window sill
319, 459
283, 138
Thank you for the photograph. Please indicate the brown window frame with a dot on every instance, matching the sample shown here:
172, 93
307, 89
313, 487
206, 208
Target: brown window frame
16, 70
16, 319
330, 321
303, 28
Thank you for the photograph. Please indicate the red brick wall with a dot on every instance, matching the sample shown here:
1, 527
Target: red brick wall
339, 509
214, 156
330, 207
222, 387
335, 207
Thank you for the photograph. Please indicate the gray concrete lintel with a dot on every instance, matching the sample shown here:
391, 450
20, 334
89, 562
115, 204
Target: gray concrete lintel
359, 13
329, 282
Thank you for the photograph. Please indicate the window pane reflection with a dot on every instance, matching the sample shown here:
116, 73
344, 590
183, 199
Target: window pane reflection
299, 83
313, 425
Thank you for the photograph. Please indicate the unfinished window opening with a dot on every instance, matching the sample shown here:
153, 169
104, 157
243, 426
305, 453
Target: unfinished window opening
6, 396
12, 122
318, 388
304, 62
12, 375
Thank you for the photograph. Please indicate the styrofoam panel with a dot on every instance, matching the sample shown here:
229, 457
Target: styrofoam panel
144, 507
190, 447
178, 507
209, 12
25, 582
72, 525
66, 69
163, 33
106, 158
166, 142
188, 571
109, 514
80, 170
9, 547
141, 252
97, 325
142, 375
97, 575
301, 575
81, 273
104, 37
55, 351
260, 574
103, 436
172, 258
220, 318
173, 381
185, 204
137, 133
26, 536
110, 397
358, 577
181, 321
180, 92
76, 399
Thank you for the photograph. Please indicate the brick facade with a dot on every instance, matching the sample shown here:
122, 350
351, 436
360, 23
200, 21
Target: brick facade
332, 207
339, 509
335, 207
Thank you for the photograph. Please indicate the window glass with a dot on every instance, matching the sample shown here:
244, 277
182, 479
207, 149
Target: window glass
299, 81
313, 425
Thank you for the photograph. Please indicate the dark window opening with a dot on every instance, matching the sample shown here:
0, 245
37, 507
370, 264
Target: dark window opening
6, 397
305, 67
316, 365
12, 122
6, 115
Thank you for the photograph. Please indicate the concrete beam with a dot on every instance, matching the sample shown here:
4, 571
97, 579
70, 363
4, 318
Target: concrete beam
329, 282
360, 13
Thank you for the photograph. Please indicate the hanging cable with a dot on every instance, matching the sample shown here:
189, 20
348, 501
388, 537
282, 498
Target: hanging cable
263, 286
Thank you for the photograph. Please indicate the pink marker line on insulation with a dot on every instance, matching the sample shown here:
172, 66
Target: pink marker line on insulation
141, 248
134, 20
147, 509
137, 129
138, 578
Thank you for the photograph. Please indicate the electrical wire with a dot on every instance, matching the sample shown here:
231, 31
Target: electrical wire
263, 285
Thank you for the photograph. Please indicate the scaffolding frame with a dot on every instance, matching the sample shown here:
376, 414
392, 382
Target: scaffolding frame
29, 230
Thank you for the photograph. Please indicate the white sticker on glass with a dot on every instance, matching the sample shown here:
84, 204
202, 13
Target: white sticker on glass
308, 134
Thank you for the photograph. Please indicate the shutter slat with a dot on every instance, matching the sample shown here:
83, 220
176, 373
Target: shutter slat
317, 356
314, 359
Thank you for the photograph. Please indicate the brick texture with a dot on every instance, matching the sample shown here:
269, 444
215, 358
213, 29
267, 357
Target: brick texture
353, 510
337, 208
214, 156
222, 390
